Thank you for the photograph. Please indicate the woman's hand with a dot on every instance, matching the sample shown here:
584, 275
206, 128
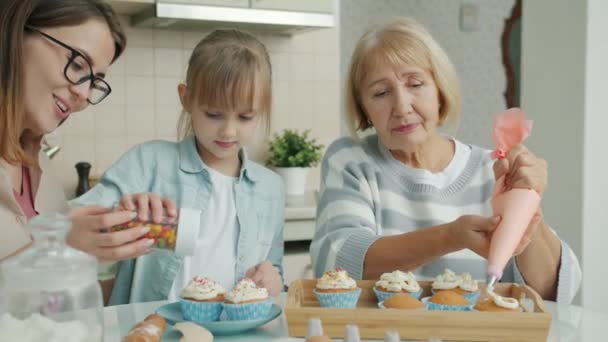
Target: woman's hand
473, 232
146, 203
90, 233
523, 170
267, 276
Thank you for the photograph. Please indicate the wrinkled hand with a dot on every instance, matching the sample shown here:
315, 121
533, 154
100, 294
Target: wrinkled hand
523, 170
90, 234
530, 233
146, 203
267, 276
474, 232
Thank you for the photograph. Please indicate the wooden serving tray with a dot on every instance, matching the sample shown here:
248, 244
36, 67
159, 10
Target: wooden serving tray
530, 325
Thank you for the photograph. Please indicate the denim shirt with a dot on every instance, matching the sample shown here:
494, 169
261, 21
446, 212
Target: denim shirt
175, 170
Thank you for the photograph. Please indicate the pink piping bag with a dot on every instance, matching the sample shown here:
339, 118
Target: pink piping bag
516, 206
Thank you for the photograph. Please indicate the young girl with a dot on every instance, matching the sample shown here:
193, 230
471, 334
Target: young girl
53, 58
227, 95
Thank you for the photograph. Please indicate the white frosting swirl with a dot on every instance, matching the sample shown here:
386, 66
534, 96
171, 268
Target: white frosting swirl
202, 289
337, 279
449, 280
246, 290
446, 281
467, 283
397, 281
504, 302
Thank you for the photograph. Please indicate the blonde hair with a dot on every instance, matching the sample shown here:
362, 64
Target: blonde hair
228, 69
402, 41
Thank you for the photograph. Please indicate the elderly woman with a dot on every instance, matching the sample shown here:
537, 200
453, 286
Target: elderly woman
407, 197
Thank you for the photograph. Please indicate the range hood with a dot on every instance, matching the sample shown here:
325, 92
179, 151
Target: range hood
192, 17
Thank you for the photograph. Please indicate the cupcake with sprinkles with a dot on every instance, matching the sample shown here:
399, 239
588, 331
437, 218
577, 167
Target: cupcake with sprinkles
247, 301
462, 284
396, 282
201, 300
336, 289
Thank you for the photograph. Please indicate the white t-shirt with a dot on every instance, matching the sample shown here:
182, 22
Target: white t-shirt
215, 252
447, 176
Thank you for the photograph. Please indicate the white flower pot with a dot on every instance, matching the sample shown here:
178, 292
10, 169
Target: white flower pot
294, 179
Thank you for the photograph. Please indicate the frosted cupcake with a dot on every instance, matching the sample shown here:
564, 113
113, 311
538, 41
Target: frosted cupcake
447, 301
336, 289
401, 301
397, 282
201, 300
247, 301
463, 285
496, 303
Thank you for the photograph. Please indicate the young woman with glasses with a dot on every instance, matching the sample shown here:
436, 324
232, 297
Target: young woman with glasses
54, 55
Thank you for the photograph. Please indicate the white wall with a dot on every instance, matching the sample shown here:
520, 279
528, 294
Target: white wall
476, 54
564, 71
553, 94
595, 181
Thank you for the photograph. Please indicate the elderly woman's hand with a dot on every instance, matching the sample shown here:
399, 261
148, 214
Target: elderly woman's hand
473, 232
523, 170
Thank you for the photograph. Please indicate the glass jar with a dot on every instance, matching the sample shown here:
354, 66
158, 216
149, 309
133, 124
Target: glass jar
50, 290
176, 234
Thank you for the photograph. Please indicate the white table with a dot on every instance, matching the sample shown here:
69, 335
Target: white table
569, 323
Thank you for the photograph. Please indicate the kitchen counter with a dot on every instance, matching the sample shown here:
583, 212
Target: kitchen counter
569, 323
300, 214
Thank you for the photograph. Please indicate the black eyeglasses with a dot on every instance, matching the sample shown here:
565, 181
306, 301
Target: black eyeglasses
78, 70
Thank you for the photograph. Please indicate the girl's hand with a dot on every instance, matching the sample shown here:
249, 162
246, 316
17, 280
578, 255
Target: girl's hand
523, 170
146, 203
90, 234
267, 276
473, 232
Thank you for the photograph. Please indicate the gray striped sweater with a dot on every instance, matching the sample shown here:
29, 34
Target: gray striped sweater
367, 194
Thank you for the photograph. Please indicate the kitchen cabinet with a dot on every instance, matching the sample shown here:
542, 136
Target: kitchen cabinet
322, 6
224, 3
130, 7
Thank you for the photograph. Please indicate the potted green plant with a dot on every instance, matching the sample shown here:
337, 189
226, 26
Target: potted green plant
292, 154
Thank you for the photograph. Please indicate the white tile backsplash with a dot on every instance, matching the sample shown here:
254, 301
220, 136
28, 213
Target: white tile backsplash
108, 150
144, 104
139, 61
168, 62
168, 39
166, 91
301, 66
280, 66
81, 124
139, 90
166, 120
141, 120
110, 121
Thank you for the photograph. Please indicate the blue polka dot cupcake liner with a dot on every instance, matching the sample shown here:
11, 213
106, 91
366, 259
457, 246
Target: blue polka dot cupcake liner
441, 307
248, 311
384, 295
200, 311
345, 300
470, 296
